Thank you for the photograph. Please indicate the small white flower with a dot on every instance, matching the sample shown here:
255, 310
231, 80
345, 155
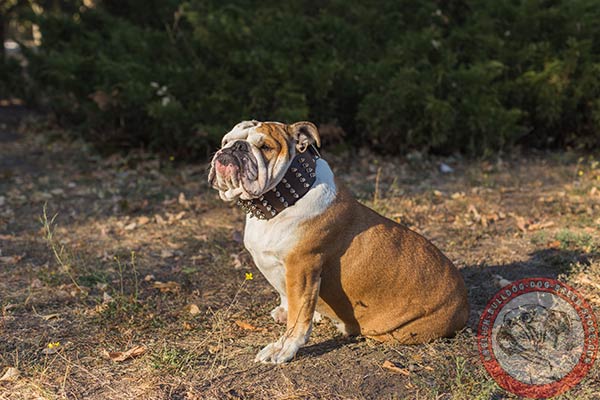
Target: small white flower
162, 91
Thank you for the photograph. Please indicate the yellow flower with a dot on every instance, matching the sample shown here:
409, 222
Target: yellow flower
171, 158
249, 276
53, 345
580, 172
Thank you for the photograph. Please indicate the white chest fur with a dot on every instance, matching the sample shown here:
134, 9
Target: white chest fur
270, 241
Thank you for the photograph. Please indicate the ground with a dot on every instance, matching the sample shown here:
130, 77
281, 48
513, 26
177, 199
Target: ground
136, 252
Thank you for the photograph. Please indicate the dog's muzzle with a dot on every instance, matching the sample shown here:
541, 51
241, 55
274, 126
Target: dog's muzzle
231, 159
234, 167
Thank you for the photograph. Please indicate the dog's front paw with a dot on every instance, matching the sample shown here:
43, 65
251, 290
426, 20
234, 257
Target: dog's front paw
279, 314
278, 352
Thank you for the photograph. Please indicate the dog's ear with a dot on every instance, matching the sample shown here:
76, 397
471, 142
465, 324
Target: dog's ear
305, 133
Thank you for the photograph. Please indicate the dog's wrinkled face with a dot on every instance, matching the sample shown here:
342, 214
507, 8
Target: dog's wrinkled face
254, 157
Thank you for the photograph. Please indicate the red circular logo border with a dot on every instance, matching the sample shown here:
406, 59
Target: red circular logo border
551, 389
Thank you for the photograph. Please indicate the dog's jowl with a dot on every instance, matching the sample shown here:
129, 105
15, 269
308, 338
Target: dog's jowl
327, 254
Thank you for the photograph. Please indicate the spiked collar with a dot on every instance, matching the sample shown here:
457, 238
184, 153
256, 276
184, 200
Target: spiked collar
297, 181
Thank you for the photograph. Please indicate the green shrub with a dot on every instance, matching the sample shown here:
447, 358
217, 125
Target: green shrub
470, 76
12, 82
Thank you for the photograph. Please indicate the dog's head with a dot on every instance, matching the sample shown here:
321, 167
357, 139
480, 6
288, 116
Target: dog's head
254, 157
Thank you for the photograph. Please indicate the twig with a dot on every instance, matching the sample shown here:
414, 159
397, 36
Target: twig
376, 194
58, 253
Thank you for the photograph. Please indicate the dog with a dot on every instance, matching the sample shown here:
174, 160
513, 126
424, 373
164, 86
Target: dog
327, 254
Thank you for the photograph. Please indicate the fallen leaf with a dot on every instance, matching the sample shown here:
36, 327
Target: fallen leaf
193, 309
107, 298
554, 244
484, 221
10, 260
159, 220
100, 308
246, 326
74, 290
130, 226
48, 317
149, 278
167, 287
143, 220
202, 238
392, 367
540, 225
120, 356
165, 253
472, 210
10, 375
182, 200
36, 283
521, 224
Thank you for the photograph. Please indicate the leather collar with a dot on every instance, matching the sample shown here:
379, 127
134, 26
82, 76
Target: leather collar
297, 181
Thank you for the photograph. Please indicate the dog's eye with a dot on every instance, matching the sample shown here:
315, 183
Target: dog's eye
265, 147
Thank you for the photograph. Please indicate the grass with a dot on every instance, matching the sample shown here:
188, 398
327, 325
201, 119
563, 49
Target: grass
63, 259
567, 239
579, 240
84, 245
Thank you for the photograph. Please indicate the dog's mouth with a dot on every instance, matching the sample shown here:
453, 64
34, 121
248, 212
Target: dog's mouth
235, 173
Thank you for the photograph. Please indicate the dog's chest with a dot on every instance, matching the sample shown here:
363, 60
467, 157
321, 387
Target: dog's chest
269, 243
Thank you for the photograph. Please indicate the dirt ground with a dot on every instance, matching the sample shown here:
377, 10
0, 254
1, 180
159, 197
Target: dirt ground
137, 253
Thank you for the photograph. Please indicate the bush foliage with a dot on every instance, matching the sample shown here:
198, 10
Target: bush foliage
471, 76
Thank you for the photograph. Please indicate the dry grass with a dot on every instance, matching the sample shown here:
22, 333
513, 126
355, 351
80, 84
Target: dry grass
87, 278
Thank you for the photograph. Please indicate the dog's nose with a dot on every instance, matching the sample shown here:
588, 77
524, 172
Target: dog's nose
240, 145
225, 158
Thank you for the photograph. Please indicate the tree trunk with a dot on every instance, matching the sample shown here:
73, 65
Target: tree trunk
3, 24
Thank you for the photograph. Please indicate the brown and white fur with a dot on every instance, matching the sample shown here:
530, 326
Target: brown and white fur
330, 255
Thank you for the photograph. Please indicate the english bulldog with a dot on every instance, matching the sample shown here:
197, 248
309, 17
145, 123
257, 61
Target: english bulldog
327, 254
